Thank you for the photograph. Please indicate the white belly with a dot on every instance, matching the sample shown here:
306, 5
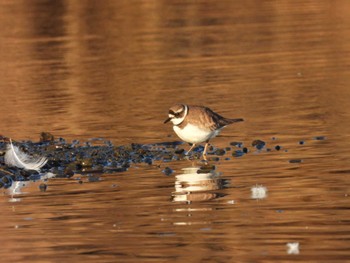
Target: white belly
193, 134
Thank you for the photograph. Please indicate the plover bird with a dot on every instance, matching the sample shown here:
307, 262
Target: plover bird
197, 124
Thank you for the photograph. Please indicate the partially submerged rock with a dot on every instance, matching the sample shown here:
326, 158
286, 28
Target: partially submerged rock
97, 156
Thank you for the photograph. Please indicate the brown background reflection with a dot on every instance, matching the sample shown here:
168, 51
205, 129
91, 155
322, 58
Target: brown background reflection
111, 69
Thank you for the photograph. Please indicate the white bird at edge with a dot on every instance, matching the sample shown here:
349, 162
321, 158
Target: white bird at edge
15, 157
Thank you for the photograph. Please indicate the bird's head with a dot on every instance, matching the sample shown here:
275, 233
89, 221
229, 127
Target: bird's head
177, 114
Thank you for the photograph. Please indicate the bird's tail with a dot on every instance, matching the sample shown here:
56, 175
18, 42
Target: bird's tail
224, 121
236, 120
229, 121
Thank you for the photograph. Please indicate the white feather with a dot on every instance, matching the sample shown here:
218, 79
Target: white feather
15, 157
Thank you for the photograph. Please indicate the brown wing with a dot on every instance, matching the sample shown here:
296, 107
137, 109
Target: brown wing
207, 119
216, 121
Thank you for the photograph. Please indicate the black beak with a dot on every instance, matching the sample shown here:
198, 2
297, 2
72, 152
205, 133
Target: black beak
167, 120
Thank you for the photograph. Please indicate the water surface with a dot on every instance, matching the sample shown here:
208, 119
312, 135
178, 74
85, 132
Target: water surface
81, 69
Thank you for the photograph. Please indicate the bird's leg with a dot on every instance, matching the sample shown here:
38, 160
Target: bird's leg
193, 145
205, 150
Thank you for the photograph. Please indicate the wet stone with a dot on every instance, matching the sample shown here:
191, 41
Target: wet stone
115, 169
210, 167
167, 171
180, 151
295, 161
93, 178
258, 144
211, 148
28, 173
167, 157
43, 187
204, 171
237, 153
86, 162
320, 138
46, 137
220, 152
97, 156
93, 170
148, 160
6, 181
237, 144
62, 141
213, 159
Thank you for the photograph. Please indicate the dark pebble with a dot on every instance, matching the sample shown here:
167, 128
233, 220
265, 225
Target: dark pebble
148, 160
220, 152
167, 171
301, 142
75, 143
6, 181
199, 148
46, 137
295, 161
259, 144
208, 167
320, 138
34, 177
167, 158
86, 162
96, 156
277, 147
179, 151
94, 178
237, 144
172, 144
214, 159
115, 169
203, 171
237, 153
43, 187
28, 173
68, 173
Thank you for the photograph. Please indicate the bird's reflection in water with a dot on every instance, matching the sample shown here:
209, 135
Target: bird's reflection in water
197, 184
